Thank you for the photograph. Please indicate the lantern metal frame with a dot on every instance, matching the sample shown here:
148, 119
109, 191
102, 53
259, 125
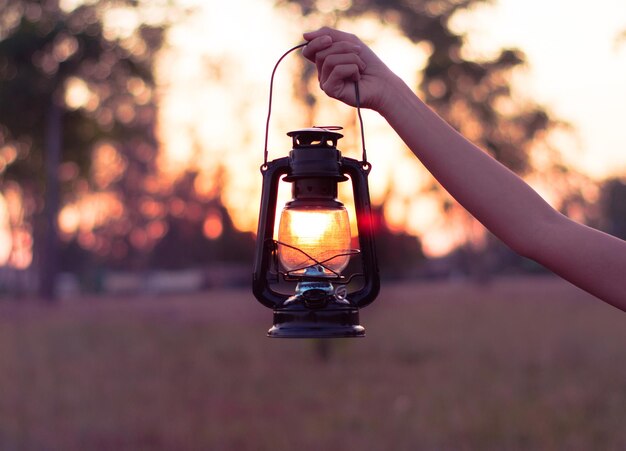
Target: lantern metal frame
325, 314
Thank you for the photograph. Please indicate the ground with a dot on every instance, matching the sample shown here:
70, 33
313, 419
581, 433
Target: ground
526, 363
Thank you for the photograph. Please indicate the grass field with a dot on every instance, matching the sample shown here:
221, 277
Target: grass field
519, 364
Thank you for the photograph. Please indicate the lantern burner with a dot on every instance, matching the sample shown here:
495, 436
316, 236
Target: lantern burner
318, 270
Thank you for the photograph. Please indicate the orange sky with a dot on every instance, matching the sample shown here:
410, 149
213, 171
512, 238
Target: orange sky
221, 61
214, 86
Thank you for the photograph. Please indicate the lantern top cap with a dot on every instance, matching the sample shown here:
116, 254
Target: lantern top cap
329, 131
318, 137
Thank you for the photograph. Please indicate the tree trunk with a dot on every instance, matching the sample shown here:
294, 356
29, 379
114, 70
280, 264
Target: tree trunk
49, 246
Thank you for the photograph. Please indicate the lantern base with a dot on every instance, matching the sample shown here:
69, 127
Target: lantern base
333, 321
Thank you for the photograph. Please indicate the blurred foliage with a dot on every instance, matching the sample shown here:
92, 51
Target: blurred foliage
397, 252
92, 61
99, 74
181, 229
613, 205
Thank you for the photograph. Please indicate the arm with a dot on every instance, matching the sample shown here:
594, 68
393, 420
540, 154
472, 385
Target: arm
493, 194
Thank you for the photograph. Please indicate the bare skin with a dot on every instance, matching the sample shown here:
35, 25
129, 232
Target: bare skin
497, 197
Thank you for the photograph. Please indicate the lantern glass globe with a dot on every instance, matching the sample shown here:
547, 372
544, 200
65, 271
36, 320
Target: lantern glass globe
312, 235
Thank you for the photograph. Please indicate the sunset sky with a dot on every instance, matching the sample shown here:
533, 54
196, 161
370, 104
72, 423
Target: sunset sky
218, 71
214, 77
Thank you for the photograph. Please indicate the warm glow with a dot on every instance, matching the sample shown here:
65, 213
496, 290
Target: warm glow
5, 234
177, 207
78, 95
8, 154
69, 5
22, 252
157, 230
64, 46
16, 244
439, 242
69, 219
212, 226
108, 165
89, 211
120, 23
139, 238
151, 208
319, 234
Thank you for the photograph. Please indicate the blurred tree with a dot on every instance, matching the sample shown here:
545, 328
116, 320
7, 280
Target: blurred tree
398, 252
74, 75
613, 204
199, 230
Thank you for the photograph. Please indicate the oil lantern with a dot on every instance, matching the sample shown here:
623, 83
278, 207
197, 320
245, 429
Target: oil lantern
312, 254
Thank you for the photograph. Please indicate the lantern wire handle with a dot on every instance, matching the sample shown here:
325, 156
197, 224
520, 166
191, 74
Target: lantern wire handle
357, 97
269, 110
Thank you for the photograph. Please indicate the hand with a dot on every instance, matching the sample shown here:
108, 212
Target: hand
341, 59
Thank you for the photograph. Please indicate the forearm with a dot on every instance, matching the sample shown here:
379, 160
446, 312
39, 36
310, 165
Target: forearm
492, 193
497, 197
505, 204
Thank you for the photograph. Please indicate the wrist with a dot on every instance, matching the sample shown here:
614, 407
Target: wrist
395, 96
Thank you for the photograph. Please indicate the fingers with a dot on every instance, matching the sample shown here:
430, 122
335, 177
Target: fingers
316, 45
337, 48
335, 35
341, 59
324, 38
326, 57
335, 85
310, 35
332, 61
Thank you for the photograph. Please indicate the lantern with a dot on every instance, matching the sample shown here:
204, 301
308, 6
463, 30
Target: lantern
313, 247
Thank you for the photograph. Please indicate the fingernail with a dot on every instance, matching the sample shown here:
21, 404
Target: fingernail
326, 40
